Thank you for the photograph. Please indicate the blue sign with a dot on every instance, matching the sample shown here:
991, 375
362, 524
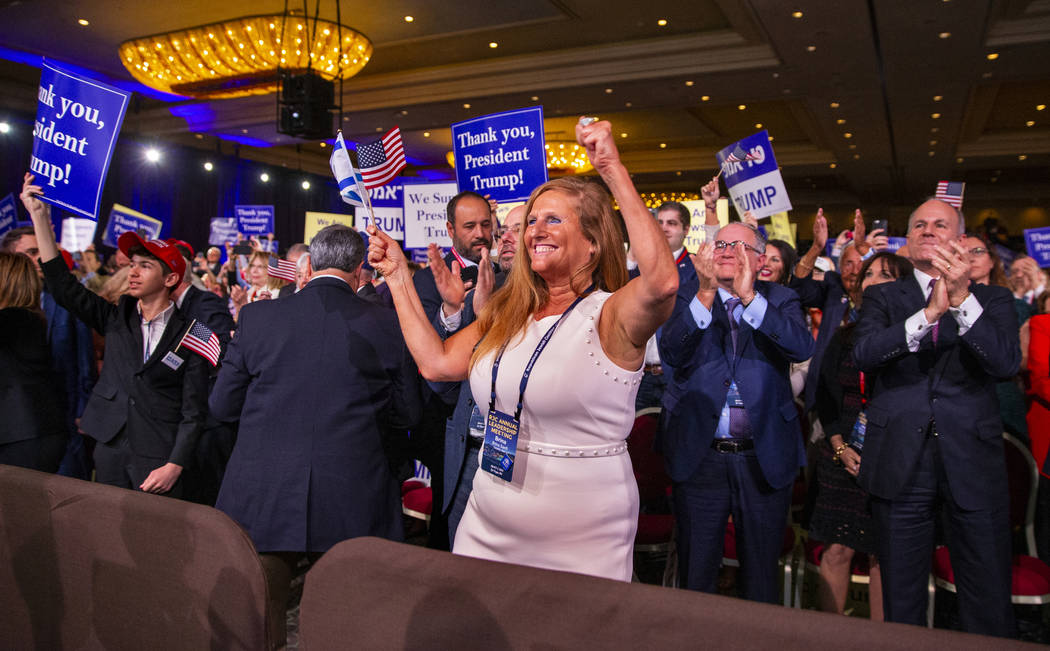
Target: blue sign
223, 230
8, 213
501, 155
122, 219
895, 243
1038, 242
77, 123
254, 220
752, 176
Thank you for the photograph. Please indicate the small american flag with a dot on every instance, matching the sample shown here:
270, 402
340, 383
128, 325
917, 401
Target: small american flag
381, 160
202, 341
738, 155
950, 193
282, 269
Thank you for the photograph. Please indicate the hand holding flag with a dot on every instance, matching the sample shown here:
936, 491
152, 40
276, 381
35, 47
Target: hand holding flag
202, 341
351, 184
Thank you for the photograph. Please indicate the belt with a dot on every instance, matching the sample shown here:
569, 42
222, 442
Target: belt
732, 445
552, 450
654, 369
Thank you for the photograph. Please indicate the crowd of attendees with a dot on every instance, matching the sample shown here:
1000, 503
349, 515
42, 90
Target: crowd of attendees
99, 384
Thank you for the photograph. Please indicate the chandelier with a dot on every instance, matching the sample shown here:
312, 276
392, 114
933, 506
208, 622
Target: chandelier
567, 157
241, 56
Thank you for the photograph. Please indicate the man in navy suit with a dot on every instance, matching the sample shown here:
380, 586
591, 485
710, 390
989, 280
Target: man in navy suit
936, 344
315, 379
730, 432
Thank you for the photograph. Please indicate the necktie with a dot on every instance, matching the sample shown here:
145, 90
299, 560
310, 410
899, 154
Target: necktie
739, 424
936, 326
734, 319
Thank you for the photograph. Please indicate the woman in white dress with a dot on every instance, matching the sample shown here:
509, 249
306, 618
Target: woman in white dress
569, 499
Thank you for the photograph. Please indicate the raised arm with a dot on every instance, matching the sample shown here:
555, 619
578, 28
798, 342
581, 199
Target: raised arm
637, 309
438, 361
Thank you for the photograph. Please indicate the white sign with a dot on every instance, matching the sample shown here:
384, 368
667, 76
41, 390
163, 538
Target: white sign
389, 220
425, 215
77, 233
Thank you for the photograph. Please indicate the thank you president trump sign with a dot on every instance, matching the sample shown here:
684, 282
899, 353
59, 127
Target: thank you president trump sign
752, 176
501, 155
77, 122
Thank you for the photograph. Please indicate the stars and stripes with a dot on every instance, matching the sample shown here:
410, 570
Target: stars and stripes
202, 341
950, 193
738, 155
282, 269
351, 185
381, 160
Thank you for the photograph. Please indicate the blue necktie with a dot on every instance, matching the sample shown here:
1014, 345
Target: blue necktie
739, 424
734, 319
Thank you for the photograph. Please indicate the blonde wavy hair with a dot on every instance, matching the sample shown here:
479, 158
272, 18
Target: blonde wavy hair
507, 313
272, 282
19, 284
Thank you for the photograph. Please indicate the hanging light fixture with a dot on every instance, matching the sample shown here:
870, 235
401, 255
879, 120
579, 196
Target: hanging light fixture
241, 57
567, 157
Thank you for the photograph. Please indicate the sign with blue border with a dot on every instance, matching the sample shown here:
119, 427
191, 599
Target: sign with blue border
223, 230
752, 176
501, 155
1037, 240
122, 219
254, 220
77, 123
8, 213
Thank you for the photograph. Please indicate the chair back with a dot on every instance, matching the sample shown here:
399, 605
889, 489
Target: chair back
649, 470
1023, 479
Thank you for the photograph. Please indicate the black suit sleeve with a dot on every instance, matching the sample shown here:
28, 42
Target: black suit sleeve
194, 410
231, 386
993, 338
81, 302
878, 340
812, 293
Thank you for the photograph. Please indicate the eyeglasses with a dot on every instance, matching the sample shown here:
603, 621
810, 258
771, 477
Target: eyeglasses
978, 250
722, 244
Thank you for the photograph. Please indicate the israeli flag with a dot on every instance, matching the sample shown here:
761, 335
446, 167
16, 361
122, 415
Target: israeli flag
351, 185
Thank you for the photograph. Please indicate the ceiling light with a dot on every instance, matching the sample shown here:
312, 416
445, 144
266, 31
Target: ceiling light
811, 48
852, 146
663, 145
689, 83
1030, 123
704, 98
944, 34
742, 107
847, 135
662, 22
628, 104
992, 56
933, 143
758, 125
931, 153
152, 155
934, 130
678, 173
409, 19
264, 177
567, 156
493, 44
771, 139
323, 144
1022, 157
5, 127
608, 91
938, 98
306, 185
1040, 107
426, 134
208, 166
623, 135
466, 106
378, 129
797, 14
834, 105
959, 160
840, 121
84, 22
833, 166
935, 116
856, 156
241, 56
535, 98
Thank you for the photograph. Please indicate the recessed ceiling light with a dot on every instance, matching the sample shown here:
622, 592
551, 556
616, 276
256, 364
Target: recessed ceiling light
771, 139
758, 125
264, 177
852, 146
535, 98
628, 104
208, 166
1040, 107
742, 106
426, 134
938, 98
244, 131
689, 83
84, 22
933, 143
678, 173
623, 135
934, 130
1022, 157
935, 116
840, 121
378, 129
960, 159
466, 106
986, 75
663, 145
608, 91
1030, 123
704, 98
662, 22
811, 48
409, 19
931, 153
992, 56
944, 34
403, 112
847, 135
493, 44
796, 14
833, 166
323, 144
856, 156
199, 136
834, 105
305, 185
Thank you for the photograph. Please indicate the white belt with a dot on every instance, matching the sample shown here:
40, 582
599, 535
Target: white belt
552, 450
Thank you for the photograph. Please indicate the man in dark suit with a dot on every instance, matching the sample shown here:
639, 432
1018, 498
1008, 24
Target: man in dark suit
470, 222
315, 380
730, 431
936, 344
149, 404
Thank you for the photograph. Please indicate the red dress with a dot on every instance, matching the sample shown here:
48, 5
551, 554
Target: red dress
1039, 373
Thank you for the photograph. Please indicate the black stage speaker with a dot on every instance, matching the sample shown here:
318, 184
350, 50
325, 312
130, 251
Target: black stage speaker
307, 103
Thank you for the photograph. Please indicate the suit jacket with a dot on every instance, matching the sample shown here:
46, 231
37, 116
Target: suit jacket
29, 397
951, 384
704, 365
315, 380
72, 356
427, 288
160, 409
830, 296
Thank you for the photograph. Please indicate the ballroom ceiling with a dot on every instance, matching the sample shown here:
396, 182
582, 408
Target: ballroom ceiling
869, 103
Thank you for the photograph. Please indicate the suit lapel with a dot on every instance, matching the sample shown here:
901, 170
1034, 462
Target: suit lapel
177, 325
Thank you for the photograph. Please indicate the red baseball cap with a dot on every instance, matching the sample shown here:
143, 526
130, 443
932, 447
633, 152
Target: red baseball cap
172, 240
167, 253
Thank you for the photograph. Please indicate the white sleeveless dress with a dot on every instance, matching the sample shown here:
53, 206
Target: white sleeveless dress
573, 502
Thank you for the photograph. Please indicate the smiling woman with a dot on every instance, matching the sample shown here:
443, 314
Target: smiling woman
555, 489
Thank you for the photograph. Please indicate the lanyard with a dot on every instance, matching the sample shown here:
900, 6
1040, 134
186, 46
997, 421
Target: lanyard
532, 361
685, 254
462, 264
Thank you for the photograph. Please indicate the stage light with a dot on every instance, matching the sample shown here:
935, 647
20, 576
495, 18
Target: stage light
5, 127
208, 166
306, 185
264, 177
152, 155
